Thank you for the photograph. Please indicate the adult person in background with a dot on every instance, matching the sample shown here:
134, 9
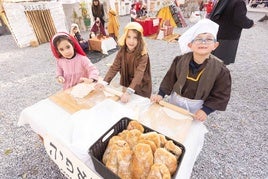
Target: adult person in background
231, 17
113, 24
98, 11
97, 29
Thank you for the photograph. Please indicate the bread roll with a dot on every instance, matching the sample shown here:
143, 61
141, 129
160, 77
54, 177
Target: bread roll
124, 159
153, 136
159, 171
174, 149
142, 161
162, 156
131, 136
115, 143
135, 125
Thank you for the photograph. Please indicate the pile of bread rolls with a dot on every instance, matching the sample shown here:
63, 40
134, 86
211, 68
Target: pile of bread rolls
133, 154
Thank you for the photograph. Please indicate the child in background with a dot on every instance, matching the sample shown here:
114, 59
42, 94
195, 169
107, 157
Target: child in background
75, 32
113, 24
133, 13
97, 29
132, 61
73, 66
98, 11
197, 80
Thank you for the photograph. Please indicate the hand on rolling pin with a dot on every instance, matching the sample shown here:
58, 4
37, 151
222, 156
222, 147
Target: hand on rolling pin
200, 115
125, 97
60, 79
99, 87
156, 98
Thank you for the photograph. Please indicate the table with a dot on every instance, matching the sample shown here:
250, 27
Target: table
103, 44
150, 25
70, 134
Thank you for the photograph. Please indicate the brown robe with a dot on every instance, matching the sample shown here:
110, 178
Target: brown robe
214, 85
135, 72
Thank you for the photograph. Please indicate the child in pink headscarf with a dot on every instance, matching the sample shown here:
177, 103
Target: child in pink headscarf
73, 66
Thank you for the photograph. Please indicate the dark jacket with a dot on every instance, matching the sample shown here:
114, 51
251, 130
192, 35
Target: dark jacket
231, 17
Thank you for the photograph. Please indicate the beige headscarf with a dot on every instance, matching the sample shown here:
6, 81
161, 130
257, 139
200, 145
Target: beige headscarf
135, 26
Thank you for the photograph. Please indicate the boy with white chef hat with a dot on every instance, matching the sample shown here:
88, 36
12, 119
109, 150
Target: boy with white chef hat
196, 80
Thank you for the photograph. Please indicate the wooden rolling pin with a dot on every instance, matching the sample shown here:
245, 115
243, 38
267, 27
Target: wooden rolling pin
113, 91
175, 108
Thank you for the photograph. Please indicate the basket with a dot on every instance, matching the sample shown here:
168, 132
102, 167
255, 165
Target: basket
97, 150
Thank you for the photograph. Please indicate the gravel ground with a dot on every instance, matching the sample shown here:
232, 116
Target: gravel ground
235, 147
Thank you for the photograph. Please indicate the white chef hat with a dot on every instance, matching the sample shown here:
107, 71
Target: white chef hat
202, 26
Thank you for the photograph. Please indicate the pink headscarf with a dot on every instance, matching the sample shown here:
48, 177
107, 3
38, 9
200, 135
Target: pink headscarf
77, 47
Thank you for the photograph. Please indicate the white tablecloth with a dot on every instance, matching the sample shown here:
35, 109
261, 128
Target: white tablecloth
81, 129
107, 44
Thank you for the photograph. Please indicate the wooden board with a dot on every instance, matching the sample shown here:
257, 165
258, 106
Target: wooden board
175, 127
71, 104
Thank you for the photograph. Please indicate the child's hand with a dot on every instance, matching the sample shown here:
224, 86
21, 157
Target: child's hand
156, 98
61, 79
200, 115
99, 87
86, 80
125, 97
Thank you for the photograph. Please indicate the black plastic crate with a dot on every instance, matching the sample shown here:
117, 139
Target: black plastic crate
97, 150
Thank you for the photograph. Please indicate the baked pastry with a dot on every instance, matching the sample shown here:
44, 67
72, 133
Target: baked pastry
124, 159
163, 140
131, 136
174, 149
135, 125
159, 171
115, 143
153, 136
142, 160
149, 142
162, 156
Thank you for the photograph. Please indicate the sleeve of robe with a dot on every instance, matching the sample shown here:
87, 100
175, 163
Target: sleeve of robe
169, 79
114, 69
220, 93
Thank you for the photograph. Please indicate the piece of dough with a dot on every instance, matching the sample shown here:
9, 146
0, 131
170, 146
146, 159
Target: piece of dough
81, 90
173, 114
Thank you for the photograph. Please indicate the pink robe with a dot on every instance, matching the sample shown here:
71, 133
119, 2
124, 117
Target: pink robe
73, 69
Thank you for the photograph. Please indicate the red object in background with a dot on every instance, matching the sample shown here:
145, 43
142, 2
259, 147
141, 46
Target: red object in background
138, 6
148, 26
209, 7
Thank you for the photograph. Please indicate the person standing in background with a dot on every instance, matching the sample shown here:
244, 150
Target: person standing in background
113, 24
133, 13
98, 11
231, 17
